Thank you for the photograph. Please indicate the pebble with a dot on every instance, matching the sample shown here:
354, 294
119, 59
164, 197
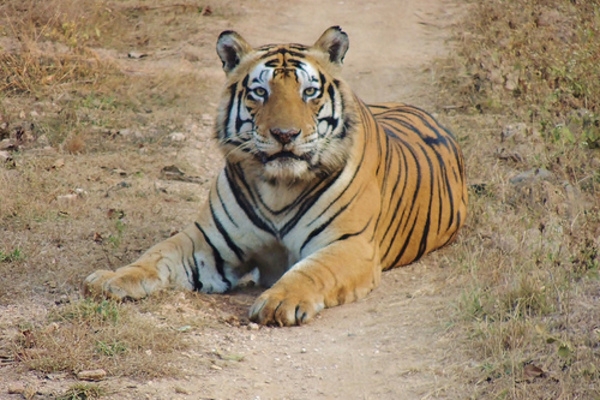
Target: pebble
5, 156
16, 388
92, 375
177, 137
535, 174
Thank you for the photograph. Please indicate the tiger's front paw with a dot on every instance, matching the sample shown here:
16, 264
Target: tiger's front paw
118, 285
279, 307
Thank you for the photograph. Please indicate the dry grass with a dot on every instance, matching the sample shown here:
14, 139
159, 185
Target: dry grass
87, 335
85, 126
525, 78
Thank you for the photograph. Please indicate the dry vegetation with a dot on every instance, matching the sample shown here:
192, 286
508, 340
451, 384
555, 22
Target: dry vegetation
82, 129
526, 78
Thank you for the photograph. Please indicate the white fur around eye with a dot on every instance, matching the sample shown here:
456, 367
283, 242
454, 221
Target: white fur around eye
323, 128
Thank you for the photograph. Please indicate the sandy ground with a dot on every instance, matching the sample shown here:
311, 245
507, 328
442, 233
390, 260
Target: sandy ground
395, 344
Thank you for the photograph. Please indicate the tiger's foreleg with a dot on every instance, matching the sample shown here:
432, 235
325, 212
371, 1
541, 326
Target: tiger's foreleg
183, 261
342, 272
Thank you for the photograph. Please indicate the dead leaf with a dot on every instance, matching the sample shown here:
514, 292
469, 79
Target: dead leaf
171, 172
98, 238
506, 155
206, 11
531, 371
113, 213
58, 163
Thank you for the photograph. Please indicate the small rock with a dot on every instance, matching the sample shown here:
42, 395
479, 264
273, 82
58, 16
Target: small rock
43, 141
51, 328
189, 56
177, 136
58, 163
512, 81
119, 171
80, 192
137, 55
5, 156
180, 390
215, 367
510, 130
92, 375
67, 198
207, 119
535, 174
252, 326
8, 145
16, 388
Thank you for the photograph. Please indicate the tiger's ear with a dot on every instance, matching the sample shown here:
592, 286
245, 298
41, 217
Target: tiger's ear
231, 48
334, 42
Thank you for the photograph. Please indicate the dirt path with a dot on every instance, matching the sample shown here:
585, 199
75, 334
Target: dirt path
392, 345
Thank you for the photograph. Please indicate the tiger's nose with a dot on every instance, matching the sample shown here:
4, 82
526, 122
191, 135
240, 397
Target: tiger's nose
284, 136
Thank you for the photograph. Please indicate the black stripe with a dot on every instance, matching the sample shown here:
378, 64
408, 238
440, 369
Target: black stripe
411, 204
219, 264
224, 206
425, 231
406, 242
283, 51
196, 270
321, 228
346, 236
293, 204
230, 243
307, 205
243, 202
232, 90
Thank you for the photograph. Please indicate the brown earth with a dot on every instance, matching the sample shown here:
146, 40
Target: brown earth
396, 343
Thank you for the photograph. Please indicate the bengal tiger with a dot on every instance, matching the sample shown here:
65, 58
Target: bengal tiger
319, 192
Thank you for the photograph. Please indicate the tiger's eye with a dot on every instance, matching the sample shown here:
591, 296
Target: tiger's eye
310, 91
260, 91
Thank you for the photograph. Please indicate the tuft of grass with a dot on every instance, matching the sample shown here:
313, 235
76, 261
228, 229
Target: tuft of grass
11, 256
88, 310
83, 391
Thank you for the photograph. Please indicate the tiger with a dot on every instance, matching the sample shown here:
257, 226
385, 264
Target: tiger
319, 194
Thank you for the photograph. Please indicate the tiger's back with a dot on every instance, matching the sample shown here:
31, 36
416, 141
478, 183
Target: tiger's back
423, 184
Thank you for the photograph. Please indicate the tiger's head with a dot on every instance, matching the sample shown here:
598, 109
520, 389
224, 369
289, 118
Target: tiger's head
284, 113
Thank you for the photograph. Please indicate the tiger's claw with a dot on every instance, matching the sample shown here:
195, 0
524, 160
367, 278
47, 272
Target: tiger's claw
284, 309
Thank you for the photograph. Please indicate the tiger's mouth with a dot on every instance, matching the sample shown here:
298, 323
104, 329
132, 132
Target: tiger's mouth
284, 155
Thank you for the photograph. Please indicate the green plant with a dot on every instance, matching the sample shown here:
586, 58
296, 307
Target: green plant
12, 256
